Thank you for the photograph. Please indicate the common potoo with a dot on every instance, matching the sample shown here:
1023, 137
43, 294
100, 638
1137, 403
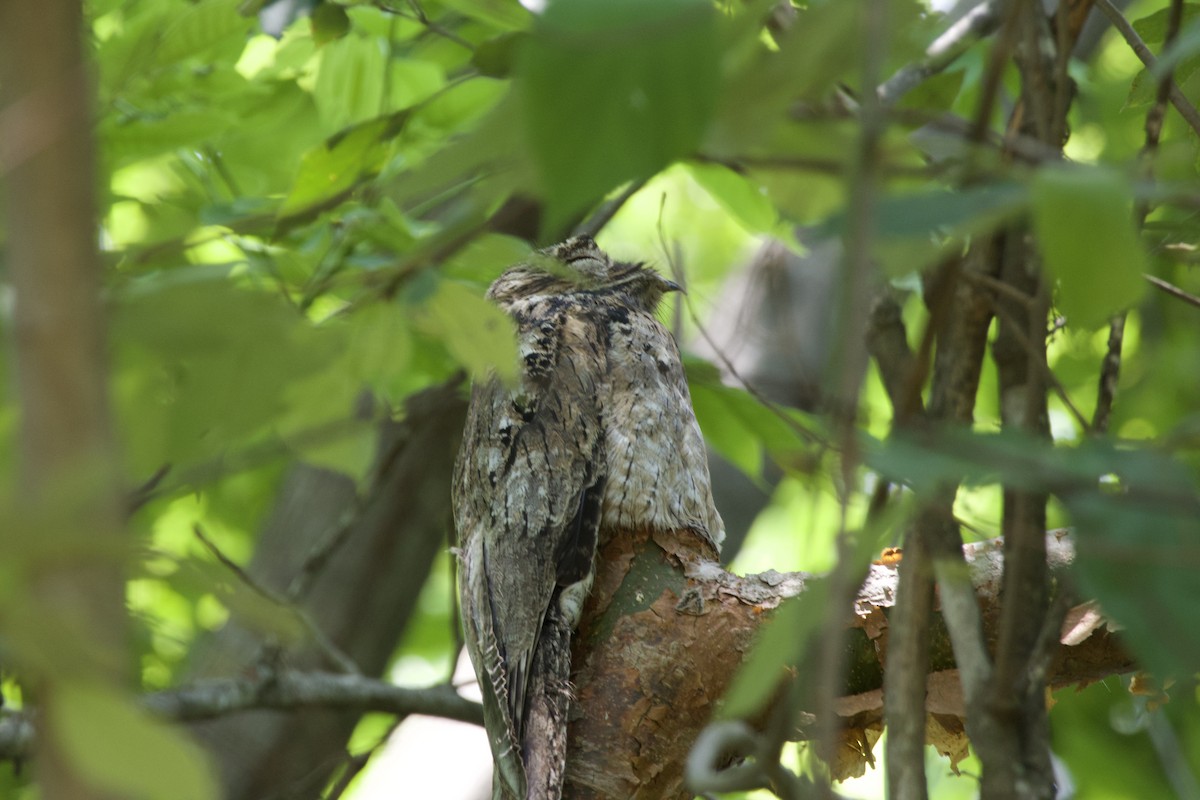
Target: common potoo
599, 435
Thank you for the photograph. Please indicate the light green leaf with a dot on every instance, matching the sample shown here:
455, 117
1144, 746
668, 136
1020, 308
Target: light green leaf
1138, 534
479, 335
738, 425
124, 752
503, 14
812, 55
334, 167
200, 26
780, 644
136, 139
1083, 219
203, 363
1152, 28
349, 87
615, 91
727, 434
1144, 89
739, 195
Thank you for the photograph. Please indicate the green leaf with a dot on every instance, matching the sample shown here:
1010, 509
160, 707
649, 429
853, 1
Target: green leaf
738, 425
813, 54
1144, 89
615, 91
329, 22
202, 362
1084, 225
124, 752
1153, 27
497, 56
726, 432
502, 14
335, 167
780, 644
740, 196
349, 87
1138, 536
913, 229
479, 335
200, 26
136, 139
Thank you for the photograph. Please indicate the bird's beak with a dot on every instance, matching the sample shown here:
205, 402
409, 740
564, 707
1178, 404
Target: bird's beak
669, 285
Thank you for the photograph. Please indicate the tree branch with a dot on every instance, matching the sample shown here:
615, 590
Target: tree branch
283, 691
664, 633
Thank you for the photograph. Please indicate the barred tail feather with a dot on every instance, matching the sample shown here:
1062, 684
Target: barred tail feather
545, 735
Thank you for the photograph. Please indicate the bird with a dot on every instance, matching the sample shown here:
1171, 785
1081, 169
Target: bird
597, 436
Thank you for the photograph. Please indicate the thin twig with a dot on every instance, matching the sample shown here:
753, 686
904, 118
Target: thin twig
1047, 373
607, 210
945, 50
828, 166
356, 763
994, 72
326, 645
1181, 103
1110, 372
803, 433
998, 286
1173, 290
316, 559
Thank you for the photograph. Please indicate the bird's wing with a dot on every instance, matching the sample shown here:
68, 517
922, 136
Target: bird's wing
526, 503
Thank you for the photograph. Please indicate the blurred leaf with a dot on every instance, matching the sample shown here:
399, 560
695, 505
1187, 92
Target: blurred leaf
913, 229
1152, 28
1083, 219
200, 26
1138, 553
333, 168
813, 53
496, 57
202, 363
727, 434
349, 88
738, 425
480, 336
124, 752
502, 14
779, 645
329, 22
615, 91
143, 137
359, 80
934, 93
742, 197
1144, 89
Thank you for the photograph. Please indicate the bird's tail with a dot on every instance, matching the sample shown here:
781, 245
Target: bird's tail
545, 735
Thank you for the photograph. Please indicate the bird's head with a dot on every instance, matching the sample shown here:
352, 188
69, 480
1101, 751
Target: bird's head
578, 265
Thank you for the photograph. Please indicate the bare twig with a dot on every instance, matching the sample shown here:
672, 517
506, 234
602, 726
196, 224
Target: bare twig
607, 210
1110, 368
281, 691
1173, 290
1178, 99
356, 763
1110, 371
945, 50
1029, 346
331, 650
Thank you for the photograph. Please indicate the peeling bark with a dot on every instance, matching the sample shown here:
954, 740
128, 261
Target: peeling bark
666, 629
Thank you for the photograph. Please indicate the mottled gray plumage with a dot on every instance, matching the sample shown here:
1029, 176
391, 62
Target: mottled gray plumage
599, 435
